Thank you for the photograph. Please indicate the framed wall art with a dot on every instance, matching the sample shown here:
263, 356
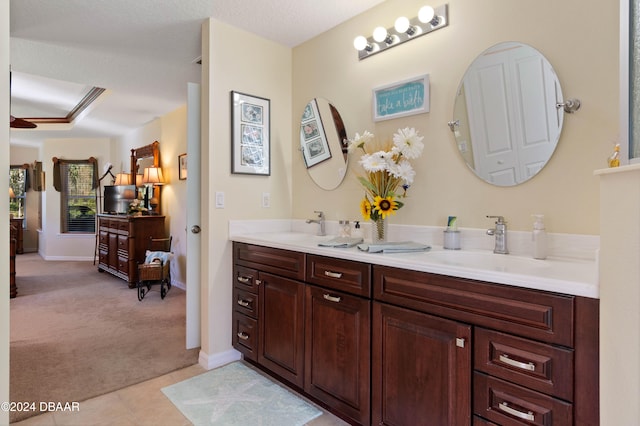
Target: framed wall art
250, 134
182, 166
315, 148
402, 98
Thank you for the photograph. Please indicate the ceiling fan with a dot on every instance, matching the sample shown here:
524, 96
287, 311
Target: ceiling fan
15, 122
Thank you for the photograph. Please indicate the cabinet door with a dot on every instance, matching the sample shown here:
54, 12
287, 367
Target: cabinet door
337, 351
421, 371
281, 339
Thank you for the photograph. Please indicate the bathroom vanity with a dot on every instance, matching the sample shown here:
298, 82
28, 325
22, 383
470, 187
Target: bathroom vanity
392, 339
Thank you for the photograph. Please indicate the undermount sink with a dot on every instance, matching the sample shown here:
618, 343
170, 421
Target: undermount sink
485, 260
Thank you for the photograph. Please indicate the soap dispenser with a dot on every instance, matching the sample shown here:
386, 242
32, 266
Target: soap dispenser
539, 237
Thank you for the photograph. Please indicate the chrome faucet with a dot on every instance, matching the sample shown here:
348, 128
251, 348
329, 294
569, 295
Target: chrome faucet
319, 221
500, 232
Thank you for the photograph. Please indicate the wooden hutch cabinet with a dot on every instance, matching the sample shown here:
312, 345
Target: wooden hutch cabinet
122, 242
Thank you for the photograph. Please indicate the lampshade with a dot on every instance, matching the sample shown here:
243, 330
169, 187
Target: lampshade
153, 175
123, 179
11, 193
138, 180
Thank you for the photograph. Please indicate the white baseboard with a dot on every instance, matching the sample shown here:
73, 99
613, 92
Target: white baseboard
219, 359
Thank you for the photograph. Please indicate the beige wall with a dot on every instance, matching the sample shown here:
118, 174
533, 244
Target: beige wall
579, 38
237, 60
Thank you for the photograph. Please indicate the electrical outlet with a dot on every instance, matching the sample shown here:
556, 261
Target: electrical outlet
266, 200
219, 200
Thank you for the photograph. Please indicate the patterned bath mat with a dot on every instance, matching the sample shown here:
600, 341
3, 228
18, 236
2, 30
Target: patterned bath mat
237, 395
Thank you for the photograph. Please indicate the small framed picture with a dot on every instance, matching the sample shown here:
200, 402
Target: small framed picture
182, 166
402, 98
250, 134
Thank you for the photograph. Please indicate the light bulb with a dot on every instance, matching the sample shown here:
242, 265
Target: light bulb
360, 43
426, 14
402, 24
380, 34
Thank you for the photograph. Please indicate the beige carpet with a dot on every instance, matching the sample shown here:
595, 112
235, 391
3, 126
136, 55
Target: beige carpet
77, 333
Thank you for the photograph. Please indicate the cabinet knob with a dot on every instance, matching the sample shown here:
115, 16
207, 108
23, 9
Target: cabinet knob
243, 336
460, 342
243, 303
244, 280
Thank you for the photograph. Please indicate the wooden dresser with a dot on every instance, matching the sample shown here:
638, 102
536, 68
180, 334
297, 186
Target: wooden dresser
16, 233
122, 242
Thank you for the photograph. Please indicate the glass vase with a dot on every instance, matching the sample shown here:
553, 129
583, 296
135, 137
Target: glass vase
379, 231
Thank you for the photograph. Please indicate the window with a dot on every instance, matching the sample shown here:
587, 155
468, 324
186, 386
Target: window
77, 197
18, 184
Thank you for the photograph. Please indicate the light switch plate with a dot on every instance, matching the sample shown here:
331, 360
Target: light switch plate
219, 200
266, 200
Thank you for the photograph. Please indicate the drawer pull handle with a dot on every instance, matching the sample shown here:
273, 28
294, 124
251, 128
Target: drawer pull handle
243, 303
519, 414
333, 274
244, 280
331, 298
522, 365
243, 336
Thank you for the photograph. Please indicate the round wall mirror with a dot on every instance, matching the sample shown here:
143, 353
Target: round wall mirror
323, 143
506, 120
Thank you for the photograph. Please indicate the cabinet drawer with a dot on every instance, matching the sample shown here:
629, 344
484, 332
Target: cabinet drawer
509, 404
285, 263
123, 264
245, 278
337, 274
544, 368
121, 225
245, 335
123, 245
103, 238
535, 314
246, 302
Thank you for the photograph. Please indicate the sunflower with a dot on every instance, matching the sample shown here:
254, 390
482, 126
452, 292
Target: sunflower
365, 208
385, 206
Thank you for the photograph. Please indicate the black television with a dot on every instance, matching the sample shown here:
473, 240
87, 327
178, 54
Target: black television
118, 197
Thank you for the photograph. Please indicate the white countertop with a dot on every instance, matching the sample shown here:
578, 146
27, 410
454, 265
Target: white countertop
577, 277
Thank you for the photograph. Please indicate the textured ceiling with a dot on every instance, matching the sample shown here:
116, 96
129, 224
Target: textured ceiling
143, 51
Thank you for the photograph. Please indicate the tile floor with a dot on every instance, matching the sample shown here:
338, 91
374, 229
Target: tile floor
137, 405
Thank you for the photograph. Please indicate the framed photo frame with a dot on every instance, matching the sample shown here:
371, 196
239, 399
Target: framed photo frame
313, 139
250, 134
406, 97
182, 166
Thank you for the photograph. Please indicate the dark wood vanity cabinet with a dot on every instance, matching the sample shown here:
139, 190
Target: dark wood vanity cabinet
388, 346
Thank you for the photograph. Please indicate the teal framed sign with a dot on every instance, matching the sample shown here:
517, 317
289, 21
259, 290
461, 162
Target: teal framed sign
402, 98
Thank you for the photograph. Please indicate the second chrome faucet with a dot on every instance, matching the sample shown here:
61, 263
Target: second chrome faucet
500, 232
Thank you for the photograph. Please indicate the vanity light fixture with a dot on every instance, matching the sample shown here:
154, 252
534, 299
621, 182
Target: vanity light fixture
405, 29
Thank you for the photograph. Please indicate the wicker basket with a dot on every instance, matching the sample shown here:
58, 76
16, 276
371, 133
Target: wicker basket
153, 271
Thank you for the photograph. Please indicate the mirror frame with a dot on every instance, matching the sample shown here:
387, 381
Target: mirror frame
147, 151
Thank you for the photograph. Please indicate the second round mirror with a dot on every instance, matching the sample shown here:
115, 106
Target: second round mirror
506, 120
